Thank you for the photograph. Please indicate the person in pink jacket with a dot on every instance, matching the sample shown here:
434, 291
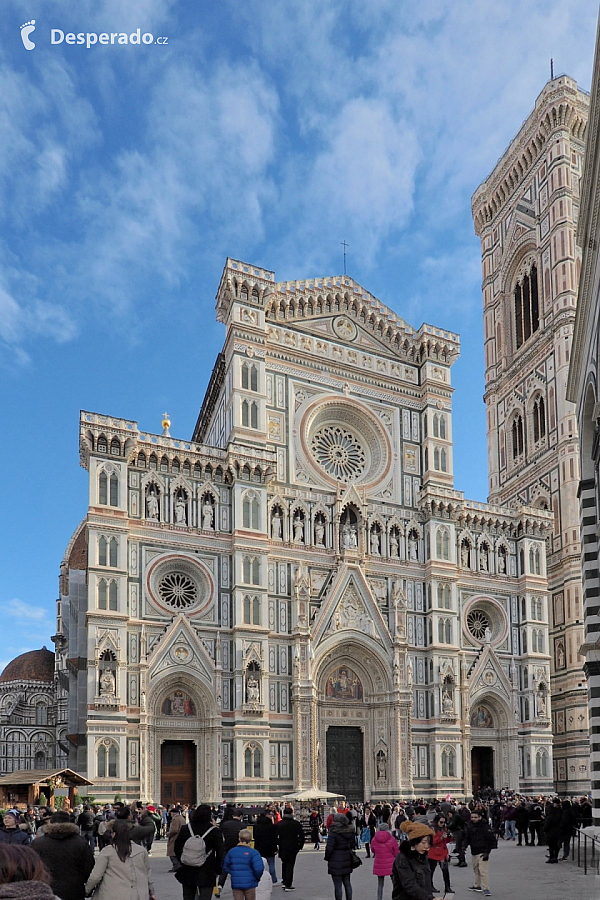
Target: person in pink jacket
385, 847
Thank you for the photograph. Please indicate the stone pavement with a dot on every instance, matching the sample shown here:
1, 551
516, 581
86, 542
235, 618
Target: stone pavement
516, 873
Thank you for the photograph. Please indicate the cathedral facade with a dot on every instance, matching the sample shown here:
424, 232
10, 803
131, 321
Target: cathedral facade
526, 214
297, 596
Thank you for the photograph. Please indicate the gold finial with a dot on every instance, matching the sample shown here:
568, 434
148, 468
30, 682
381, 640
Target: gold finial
166, 424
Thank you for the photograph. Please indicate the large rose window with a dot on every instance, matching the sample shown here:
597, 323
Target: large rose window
343, 441
178, 590
180, 584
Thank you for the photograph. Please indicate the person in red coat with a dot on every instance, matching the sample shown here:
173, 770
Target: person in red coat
385, 848
438, 854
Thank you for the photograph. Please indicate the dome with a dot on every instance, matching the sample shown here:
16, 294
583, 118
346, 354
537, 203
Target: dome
37, 665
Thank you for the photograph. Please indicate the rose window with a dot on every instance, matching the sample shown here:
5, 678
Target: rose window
478, 623
177, 590
339, 452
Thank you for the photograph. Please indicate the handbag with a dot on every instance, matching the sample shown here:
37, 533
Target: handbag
355, 860
365, 835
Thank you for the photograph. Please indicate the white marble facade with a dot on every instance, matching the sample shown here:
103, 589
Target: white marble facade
302, 564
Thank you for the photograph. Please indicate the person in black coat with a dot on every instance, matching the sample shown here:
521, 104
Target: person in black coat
411, 872
522, 821
290, 840
552, 829
265, 841
341, 841
67, 856
200, 879
482, 840
368, 820
568, 822
10, 833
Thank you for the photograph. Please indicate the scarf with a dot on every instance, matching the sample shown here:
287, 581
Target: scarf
26, 890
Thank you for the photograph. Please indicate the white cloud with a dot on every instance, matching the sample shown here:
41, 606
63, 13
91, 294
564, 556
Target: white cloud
20, 611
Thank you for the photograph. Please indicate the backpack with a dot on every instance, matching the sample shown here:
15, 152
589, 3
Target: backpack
102, 826
194, 850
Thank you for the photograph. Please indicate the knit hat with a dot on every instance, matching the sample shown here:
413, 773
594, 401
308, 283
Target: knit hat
415, 830
151, 809
383, 826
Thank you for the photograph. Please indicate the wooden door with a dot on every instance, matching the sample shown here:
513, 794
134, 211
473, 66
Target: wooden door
178, 772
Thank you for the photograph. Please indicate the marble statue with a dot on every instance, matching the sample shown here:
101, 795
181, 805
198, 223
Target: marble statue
207, 515
253, 690
394, 546
412, 547
276, 526
152, 506
319, 534
298, 529
180, 511
107, 683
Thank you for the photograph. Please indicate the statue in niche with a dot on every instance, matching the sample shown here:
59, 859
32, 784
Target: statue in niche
483, 558
394, 545
298, 529
349, 537
487, 635
501, 561
447, 702
540, 702
108, 684
381, 766
375, 543
276, 525
319, 533
465, 553
252, 690
152, 505
180, 510
207, 515
412, 546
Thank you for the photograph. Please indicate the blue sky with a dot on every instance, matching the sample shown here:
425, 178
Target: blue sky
266, 131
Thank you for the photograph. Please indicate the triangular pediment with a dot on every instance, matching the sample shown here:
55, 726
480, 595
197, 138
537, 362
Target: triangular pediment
331, 328
351, 607
488, 676
180, 650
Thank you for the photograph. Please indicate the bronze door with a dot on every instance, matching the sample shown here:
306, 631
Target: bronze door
177, 772
345, 772
482, 768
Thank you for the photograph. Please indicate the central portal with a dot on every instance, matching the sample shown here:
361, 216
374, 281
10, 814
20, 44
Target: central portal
345, 762
482, 768
177, 772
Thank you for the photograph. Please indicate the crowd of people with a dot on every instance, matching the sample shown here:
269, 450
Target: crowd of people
410, 841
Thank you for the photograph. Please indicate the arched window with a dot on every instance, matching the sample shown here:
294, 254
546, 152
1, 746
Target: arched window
114, 490
256, 611
541, 764
102, 445
41, 714
443, 460
115, 447
113, 554
103, 489
525, 677
255, 571
443, 427
113, 596
40, 760
107, 760
245, 413
526, 304
102, 594
518, 444
253, 415
252, 761
540, 645
102, 551
526, 710
528, 765
524, 640
164, 464
539, 419
245, 378
141, 460
436, 425
440, 631
250, 510
153, 461
448, 631
442, 543
244, 292
540, 610
436, 459
247, 609
448, 762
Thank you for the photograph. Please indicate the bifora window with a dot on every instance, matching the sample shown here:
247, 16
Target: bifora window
527, 313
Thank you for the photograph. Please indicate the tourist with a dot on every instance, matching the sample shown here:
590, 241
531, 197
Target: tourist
85, 823
23, 875
568, 822
536, 819
522, 823
341, 841
411, 873
509, 817
314, 823
67, 856
290, 840
458, 829
122, 870
230, 826
265, 840
246, 867
552, 831
10, 833
175, 825
368, 824
200, 880
385, 849
264, 888
482, 841
438, 852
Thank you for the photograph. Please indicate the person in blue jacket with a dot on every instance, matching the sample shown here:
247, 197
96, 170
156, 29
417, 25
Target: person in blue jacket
245, 866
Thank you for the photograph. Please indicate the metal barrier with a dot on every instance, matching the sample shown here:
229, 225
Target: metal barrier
585, 851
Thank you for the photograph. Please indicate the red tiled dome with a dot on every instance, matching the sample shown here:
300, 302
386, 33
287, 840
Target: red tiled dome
37, 665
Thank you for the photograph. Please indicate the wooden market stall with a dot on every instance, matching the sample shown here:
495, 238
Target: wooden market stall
25, 785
